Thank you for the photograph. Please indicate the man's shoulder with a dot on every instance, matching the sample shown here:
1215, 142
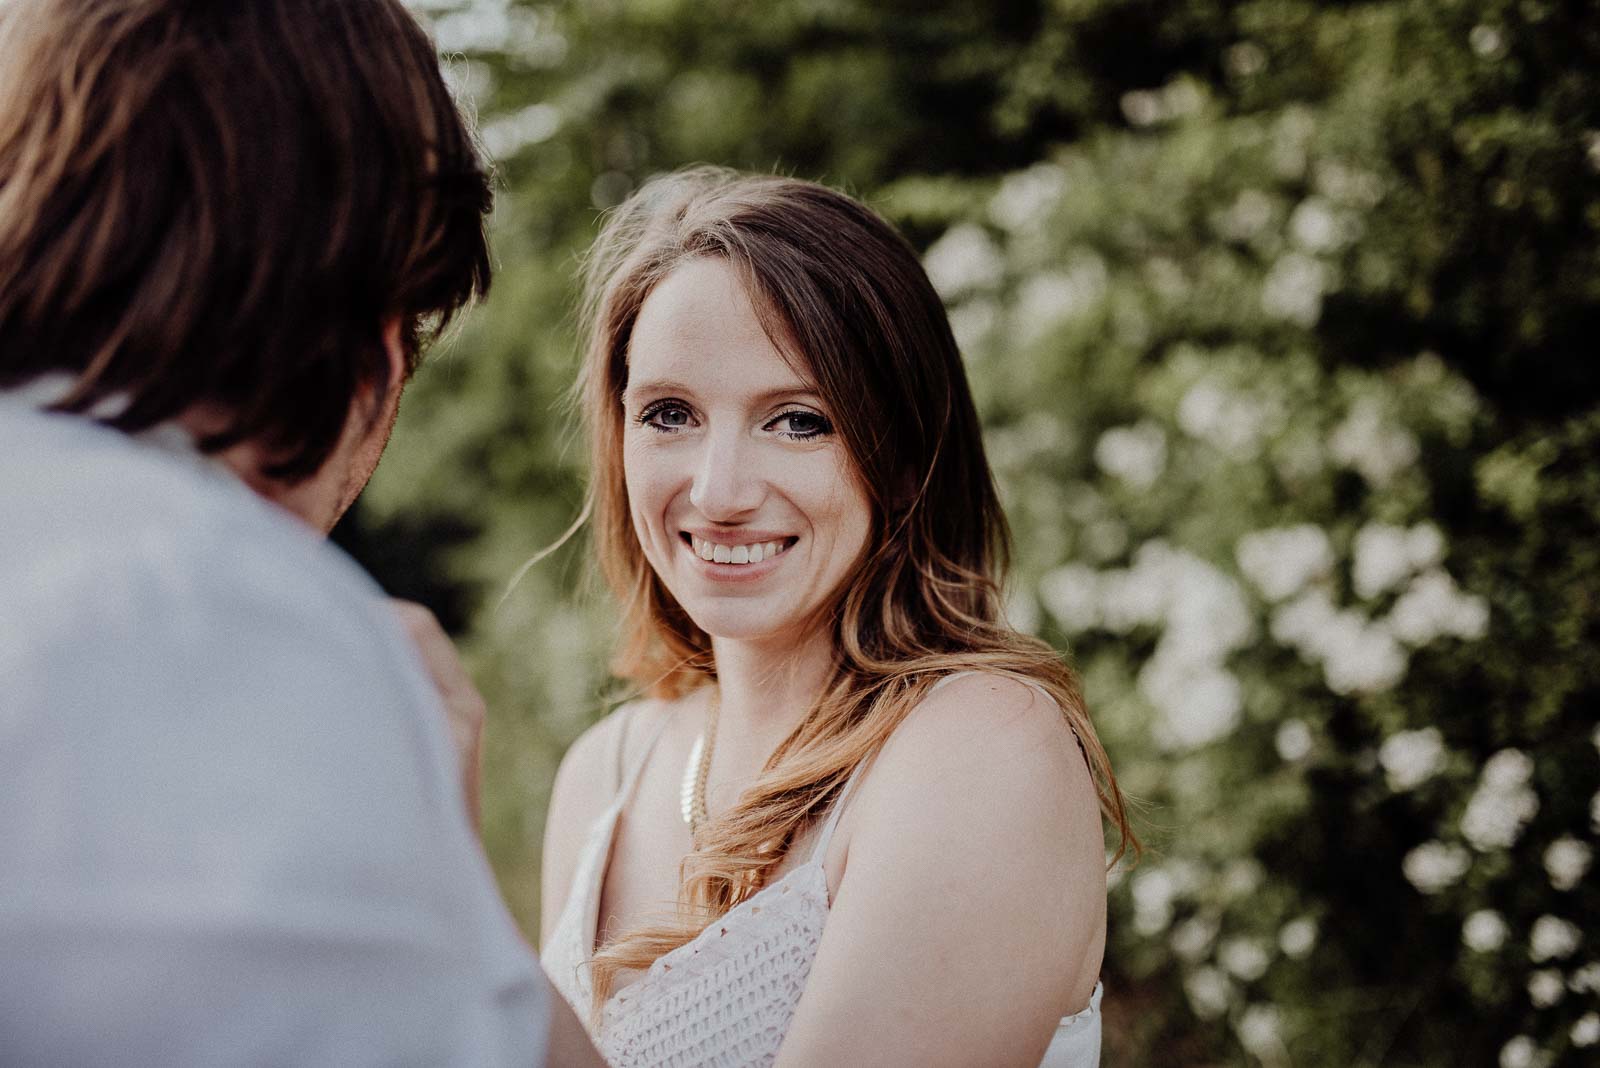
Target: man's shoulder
86, 512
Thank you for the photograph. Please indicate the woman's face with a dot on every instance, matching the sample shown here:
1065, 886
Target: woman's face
742, 495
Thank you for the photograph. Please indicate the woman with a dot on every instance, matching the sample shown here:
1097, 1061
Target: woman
856, 819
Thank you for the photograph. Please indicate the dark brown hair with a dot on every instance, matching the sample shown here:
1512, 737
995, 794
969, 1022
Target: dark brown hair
845, 298
222, 203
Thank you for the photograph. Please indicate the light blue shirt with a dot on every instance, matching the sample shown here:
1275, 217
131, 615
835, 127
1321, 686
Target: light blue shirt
231, 829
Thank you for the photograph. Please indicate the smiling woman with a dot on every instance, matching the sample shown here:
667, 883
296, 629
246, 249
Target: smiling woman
733, 469
855, 818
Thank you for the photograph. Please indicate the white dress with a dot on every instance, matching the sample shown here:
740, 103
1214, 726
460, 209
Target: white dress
727, 997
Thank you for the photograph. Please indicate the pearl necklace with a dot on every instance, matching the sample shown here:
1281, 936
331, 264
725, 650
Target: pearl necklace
692, 791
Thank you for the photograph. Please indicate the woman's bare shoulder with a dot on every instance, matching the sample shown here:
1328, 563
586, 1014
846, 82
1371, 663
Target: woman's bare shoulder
1000, 732
976, 844
989, 718
591, 771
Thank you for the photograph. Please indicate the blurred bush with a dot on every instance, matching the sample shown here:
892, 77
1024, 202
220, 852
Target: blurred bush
1281, 316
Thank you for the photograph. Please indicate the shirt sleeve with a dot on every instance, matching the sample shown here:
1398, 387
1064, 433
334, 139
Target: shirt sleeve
231, 834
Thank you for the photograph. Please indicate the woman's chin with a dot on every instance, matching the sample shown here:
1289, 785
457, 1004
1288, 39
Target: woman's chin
738, 623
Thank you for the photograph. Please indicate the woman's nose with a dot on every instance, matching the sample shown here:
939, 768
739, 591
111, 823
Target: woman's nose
727, 484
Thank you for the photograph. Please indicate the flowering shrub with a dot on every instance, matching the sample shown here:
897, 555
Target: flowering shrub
1280, 317
1283, 570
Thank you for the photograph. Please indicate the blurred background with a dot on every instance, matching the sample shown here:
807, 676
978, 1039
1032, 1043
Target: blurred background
1282, 320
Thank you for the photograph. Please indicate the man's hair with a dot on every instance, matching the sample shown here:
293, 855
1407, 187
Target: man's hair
223, 203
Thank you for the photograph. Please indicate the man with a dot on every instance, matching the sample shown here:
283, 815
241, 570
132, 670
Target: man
232, 826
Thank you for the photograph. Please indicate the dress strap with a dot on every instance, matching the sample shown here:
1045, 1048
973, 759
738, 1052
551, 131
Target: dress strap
821, 848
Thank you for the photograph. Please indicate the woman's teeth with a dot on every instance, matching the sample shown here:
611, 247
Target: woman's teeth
753, 553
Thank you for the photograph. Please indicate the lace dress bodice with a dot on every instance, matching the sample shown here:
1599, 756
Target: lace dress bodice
725, 998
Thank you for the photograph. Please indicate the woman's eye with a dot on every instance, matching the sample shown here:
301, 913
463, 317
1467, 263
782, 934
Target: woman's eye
665, 416
801, 425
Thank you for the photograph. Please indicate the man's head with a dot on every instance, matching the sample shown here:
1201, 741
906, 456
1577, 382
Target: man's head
247, 216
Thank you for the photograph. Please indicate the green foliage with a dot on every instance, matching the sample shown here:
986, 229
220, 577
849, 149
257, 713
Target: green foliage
1280, 317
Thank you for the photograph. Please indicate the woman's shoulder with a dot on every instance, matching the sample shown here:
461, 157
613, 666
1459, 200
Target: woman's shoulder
986, 716
992, 734
978, 828
596, 764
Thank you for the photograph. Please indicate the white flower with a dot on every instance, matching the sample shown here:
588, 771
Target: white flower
1142, 107
1245, 59
1260, 1030
1209, 992
1192, 938
1315, 226
1357, 655
1360, 658
1566, 860
1348, 184
1243, 877
1586, 1031
1297, 937
1206, 618
1026, 197
1366, 442
1485, 931
1552, 938
1545, 988
1410, 758
1381, 559
1432, 866
1487, 41
1134, 454
509, 134
965, 258
1293, 740
1424, 545
1433, 606
1300, 623
1293, 289
1520, 1052
1507, 770
1052, 297
1022, 611
1502, 804
1153, 891
1246, 958
1197, 707
1072, 595
1282, 561
1231, 422
1586, 980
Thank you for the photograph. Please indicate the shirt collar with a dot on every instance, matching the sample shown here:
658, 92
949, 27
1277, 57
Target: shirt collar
43, 390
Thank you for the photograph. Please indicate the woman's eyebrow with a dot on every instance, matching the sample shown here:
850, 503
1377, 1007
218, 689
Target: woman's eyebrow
656, 386
662, 386
785, 393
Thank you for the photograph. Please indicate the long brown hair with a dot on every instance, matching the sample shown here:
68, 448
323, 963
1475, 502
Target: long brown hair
223, 203
844, 296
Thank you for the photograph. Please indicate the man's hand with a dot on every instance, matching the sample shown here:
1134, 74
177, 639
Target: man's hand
464, 706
